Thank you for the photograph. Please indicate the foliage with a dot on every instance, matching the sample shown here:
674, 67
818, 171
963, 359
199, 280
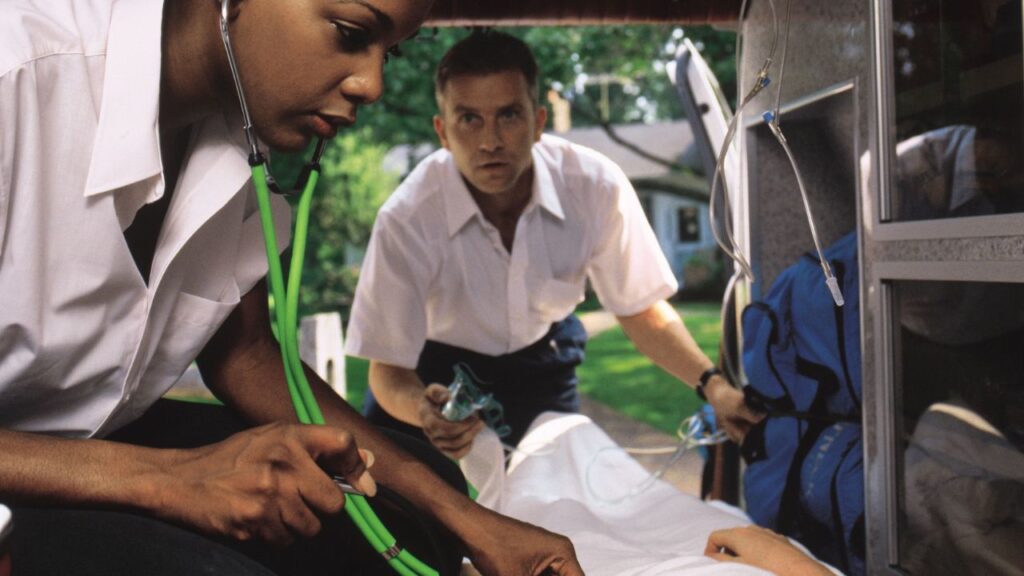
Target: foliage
570, 58
704, 275
629, 61
357, 373
352, 188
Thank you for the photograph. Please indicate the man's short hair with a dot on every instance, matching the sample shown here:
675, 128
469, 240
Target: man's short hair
486, 52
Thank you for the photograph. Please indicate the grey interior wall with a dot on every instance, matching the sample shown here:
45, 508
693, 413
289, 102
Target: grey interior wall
820, 134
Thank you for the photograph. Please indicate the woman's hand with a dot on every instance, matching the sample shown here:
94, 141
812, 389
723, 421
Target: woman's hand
503, 546
270, 483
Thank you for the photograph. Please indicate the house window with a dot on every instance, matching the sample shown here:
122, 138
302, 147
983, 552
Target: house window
689, 224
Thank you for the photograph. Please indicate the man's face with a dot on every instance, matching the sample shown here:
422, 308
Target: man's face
307, 65
489, 124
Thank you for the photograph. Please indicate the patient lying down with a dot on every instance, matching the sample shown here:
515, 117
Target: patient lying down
554, 480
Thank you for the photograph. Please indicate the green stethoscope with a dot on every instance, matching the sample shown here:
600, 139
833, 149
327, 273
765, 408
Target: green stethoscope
284, 318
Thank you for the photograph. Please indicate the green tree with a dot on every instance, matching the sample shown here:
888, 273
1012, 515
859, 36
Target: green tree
567, 57
352, 187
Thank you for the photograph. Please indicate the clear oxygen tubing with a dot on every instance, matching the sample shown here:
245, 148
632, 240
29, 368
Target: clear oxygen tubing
284, 318
692, 433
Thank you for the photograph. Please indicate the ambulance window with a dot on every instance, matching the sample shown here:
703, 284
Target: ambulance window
960, 426
959, 108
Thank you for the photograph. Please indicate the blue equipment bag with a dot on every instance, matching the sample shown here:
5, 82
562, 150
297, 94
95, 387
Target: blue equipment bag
801, 353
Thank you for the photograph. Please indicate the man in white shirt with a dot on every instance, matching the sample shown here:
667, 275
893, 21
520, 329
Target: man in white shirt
130, 244
482, 254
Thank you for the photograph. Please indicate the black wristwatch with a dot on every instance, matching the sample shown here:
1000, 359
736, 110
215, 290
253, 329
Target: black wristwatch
704, 381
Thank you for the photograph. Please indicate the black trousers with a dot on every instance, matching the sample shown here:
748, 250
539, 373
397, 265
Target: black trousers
538, 378
80, 542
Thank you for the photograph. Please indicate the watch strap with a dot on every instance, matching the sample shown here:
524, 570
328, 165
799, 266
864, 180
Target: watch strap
705, 377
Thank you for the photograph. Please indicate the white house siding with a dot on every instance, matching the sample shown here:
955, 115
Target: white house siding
664, 214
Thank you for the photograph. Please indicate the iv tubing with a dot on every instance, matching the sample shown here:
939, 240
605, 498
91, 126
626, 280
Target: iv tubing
782, 63
772, 120
731, 248
803, 196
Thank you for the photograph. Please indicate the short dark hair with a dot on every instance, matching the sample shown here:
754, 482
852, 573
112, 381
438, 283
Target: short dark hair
486, 52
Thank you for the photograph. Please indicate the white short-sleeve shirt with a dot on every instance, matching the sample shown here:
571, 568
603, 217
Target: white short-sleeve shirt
436, 269
85, 345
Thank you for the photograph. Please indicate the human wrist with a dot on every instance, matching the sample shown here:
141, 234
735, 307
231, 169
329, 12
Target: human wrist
704, 381
155, 487
466, 527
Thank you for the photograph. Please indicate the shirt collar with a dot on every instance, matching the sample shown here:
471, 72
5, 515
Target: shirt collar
459, 204
126, 148
461, 208
544, 191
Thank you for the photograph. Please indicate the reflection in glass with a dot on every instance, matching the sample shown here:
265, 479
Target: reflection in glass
961, 377
959, 126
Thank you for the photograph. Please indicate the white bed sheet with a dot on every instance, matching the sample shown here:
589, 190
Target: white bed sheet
659, 531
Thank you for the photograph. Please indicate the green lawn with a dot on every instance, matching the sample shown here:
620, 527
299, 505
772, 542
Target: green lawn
616, 375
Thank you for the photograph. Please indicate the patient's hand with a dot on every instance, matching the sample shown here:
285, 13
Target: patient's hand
454, 439
764, 549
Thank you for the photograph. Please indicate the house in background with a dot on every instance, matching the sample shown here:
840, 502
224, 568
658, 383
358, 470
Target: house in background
675, 201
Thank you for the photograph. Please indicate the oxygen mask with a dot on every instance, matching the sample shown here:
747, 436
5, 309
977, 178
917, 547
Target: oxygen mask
466, 398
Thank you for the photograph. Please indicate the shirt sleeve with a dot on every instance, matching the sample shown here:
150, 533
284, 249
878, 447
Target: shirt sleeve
628, 269
389, 318
5, 196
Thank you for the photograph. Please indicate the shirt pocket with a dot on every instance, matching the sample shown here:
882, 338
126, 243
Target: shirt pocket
191, 325
556, 298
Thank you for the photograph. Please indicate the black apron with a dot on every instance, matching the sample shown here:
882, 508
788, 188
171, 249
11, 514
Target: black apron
538, 378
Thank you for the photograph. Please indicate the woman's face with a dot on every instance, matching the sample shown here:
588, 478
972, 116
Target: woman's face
307, 65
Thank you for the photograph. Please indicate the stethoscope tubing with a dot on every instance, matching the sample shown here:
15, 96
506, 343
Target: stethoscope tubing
284, 314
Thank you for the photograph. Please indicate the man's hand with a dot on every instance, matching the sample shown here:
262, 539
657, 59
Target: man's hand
454, 439
734, 416
659, 334
507, 547
760, 547
270, 483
